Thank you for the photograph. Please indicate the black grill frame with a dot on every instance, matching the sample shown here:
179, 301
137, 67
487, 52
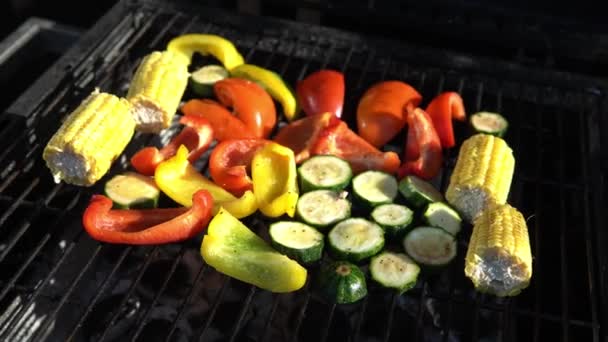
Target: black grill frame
100, 59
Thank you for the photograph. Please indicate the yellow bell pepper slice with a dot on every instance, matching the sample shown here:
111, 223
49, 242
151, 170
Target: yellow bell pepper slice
275, 185
179, 180
233, 249
219, 47
273, 84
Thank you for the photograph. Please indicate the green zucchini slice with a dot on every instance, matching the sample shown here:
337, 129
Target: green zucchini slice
441, 215
394, 270
131, 190
373, 188
297, 240
394, 218
430, 247
203, 79
418, 192
324, 172
355, 239
489, 123
322, 208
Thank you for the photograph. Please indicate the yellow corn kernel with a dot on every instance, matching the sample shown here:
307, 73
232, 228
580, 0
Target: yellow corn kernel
482, 176
499, 260
156, 90
90, 139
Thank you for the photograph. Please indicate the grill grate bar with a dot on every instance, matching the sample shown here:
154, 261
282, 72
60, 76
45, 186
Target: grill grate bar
301, 316
562, 230
362, 310
168, 26
239, 322
144, 318
275, 304
19, 199
420, 312
307, 63
391, 314
537, 219
68, 292
185, 302
328, 325
216, 305
126, 297
99, 293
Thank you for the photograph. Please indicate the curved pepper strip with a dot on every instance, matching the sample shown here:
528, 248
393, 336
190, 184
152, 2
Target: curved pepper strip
179, 180
322, 91
381, 113
273, 84
301, 135
422, 138
442, 109
221, 48
250, 103
224, 124
197, 135
146, 226
339, 140
229, 162
275, 183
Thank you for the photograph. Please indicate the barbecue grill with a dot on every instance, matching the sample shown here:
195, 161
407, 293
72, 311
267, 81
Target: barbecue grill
58, 284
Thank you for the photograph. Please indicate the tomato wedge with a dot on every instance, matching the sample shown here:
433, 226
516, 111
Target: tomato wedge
322, 91
423, 141
442, 109
302, 134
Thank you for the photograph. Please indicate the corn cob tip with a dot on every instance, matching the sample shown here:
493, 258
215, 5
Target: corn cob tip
499, 259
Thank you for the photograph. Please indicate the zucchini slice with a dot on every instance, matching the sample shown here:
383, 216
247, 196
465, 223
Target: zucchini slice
394, 270
431, 247
441, 215
355, 239
489, 123
394, 218
341, 282
297, 240
418, 192
322, 208
203, 79
373, 188
324, 172
131, 190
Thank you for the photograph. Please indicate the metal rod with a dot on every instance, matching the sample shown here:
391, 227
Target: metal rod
239, 322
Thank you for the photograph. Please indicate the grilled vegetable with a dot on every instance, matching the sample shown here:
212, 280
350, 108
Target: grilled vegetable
499, 259
322, 208
394, 218
324, 172
178, 179
442, 109
302, 135
297, 240
250, 103
423, 154
440, 215
418, 192
482, 176
394, 270
355, 239
132, 191
322, 92
146, 226
373, 188
156, 90
381, 111
225, 125
89, 140
206, 44
273, 84
203, 79
489, 123
233, 249
431, 247
275, 183
341, 282
196, 135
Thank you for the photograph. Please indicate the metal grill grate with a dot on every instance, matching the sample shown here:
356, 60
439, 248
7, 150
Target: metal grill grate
57, 283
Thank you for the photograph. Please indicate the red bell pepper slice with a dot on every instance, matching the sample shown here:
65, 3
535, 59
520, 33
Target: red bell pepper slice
422, 139
442, 109
146, 226
339, 140
381, 113
224, 124
250, 103
301, 135
197, 135
322, 91
230, 161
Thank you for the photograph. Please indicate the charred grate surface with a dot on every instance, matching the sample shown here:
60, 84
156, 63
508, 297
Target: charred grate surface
58, 284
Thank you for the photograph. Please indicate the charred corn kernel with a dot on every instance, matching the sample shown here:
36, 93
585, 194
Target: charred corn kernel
482, 176
499, 260
156, 90
90, 139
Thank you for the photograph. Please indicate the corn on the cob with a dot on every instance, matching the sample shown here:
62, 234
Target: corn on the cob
156, 90
499, 260
482, 176
90, 139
